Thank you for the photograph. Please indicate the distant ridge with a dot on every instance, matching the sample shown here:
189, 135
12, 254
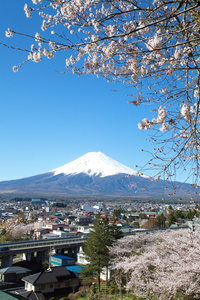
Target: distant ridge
93, 174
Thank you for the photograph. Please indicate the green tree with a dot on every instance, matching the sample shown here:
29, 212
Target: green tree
114, 231
124, 217
3, 232
171, 218
179, 214
96, 247
161, 219
143, 216
3, 235
136, 224
189, 214
96, 250
117, 213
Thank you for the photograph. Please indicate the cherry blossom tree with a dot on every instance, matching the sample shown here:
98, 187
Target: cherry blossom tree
150, 46
163, 265
18, 233
11, 230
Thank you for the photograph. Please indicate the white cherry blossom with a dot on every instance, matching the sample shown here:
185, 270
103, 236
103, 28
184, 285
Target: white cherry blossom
150, 46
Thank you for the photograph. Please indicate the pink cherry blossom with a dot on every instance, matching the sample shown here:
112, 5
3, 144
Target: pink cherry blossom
150, 46
159, 264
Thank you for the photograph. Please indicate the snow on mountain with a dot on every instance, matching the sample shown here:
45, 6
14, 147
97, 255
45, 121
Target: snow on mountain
93, 174
94, 163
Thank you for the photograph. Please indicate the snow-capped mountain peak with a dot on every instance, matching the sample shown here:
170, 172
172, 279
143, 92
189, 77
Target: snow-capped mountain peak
78, 178
94, 163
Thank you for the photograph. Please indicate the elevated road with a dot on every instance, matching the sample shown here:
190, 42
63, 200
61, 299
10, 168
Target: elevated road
41, 247
56, 243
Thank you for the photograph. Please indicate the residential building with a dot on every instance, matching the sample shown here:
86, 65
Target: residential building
42, 285
61, 260
13, 274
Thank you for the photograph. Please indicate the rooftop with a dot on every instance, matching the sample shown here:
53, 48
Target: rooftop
62, 257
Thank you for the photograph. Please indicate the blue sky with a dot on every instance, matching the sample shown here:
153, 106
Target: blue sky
49, 119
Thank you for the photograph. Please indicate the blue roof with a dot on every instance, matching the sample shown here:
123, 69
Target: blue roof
63, 257
75, 268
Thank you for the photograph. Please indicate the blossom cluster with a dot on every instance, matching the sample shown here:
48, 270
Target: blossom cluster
9, 33
160, 264
147, 124
152, 46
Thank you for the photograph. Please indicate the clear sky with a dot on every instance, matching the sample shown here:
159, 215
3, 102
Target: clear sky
49, 119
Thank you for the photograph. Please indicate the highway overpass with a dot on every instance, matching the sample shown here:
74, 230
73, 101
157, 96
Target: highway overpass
39, 249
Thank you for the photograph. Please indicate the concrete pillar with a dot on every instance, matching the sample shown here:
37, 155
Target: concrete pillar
69, 252
28, 256
6, 261
41, 256
60, 251
76, 251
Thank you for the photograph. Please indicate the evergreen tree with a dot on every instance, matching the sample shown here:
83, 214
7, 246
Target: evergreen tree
171, 218
96, 247
115, 232
161, 219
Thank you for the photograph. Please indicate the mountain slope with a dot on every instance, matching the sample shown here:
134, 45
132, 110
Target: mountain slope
92, 174
94, 163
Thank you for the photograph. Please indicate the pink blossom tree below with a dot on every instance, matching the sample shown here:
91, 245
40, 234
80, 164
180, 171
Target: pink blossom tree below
163, 265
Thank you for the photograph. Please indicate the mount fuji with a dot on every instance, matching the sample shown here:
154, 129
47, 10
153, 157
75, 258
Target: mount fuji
93, 174
94, 164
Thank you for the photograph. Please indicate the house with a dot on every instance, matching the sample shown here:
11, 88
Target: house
83, 220
61, 260
55, 281
49, 236
40, 232
55, 225
84, 229
13, 274
108, 274
124, 227
151, 214
89, 208
69, 219
62, 233
81, 259
66, 261
38, 202
39, 224
77, 269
